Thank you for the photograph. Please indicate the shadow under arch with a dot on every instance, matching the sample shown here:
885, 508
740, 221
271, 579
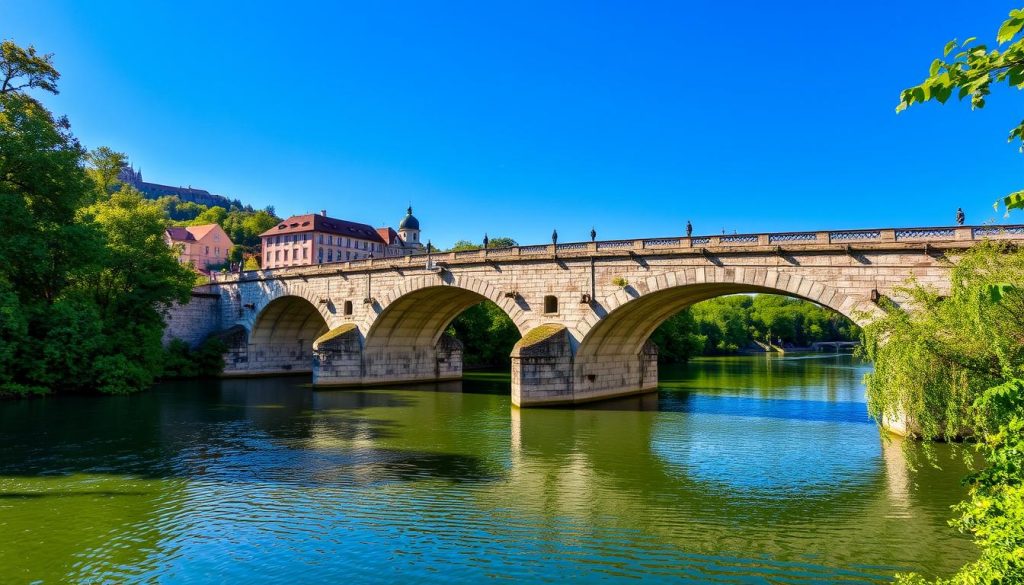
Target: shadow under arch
282, 334
405, 337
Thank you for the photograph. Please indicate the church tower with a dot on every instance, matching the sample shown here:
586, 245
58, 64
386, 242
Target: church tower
409, 229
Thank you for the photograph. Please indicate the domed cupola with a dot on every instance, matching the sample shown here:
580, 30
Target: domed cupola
409, 229
409, 222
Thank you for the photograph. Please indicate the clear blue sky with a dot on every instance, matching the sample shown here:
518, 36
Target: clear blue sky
517, 118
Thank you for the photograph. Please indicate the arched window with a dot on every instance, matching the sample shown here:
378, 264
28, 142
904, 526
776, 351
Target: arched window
550, 304
330, 255
348, 308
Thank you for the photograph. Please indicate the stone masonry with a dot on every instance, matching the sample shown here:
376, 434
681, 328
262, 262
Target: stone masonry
585, 310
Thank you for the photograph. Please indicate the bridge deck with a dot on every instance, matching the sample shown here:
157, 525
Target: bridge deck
849, 241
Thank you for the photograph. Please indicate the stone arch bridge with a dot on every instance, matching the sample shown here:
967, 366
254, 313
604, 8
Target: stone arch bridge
585, 310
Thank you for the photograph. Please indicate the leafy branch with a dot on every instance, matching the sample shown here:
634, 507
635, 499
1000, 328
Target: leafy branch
970, 72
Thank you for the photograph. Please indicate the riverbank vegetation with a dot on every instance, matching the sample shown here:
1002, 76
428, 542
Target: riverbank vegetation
84, 269
719, 326
953, 366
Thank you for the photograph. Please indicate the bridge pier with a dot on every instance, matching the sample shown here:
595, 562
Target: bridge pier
340, 359
545, 371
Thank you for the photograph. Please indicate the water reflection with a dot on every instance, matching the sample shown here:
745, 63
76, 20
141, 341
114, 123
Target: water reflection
738, 470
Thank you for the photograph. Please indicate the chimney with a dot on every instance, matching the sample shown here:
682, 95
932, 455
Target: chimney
323, 212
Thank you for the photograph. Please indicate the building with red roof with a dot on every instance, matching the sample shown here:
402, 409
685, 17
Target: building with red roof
200, 245
302, 240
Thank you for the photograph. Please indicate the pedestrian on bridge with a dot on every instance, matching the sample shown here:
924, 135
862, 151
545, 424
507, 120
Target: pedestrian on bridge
960, 216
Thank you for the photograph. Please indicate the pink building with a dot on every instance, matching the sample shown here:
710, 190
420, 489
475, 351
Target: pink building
302, 240
201, 245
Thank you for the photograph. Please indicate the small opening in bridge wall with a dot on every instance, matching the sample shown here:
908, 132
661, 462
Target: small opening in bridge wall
550, 304
347, 310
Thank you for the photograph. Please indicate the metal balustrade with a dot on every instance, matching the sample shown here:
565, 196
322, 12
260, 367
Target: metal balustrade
860, 236
614, 244
533, 249
661, 242
739, 239
572, 246
801, 237
997, 231
925, 233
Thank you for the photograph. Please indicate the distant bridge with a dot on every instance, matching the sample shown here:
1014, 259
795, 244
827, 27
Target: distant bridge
585, 309
834, 345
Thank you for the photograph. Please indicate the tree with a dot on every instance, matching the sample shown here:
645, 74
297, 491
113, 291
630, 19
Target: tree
678, 338
486, 333
461, 245
976, 340
84, 270
104, 167
24, 69
502, 242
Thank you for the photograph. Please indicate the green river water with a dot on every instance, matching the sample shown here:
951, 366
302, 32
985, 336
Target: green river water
738, 470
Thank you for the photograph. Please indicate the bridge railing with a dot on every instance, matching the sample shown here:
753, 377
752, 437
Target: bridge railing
776, 240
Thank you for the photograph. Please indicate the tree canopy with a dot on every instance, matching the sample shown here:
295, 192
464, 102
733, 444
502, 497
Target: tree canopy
84, 271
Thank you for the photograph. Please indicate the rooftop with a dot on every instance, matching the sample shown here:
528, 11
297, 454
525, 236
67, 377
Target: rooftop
311, 222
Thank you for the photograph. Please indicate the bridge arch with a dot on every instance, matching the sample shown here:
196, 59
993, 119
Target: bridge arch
419, 310
281, 335
272, 290
614, 355
632, 313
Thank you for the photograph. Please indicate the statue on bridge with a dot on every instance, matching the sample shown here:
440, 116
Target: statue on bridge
689, 228
960, 216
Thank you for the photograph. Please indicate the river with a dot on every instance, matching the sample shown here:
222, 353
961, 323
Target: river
738, 470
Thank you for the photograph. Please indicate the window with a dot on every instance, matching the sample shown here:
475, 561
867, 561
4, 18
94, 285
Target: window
286, 255
321, 239
550, 304
207, 250
330, 240
217, 250
278, 241
277, 255
348, 242
268, 256
305, 254
320, 256
348, 255
330, 255
348, 308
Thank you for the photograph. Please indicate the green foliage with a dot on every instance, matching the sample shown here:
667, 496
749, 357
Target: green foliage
502, 242
730, 324
23, 69
104, 167
971, 71
486, 333
678, 338
954, 366
251, 264
84, 270
499, 242
620, 281
933, 362
204, 361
